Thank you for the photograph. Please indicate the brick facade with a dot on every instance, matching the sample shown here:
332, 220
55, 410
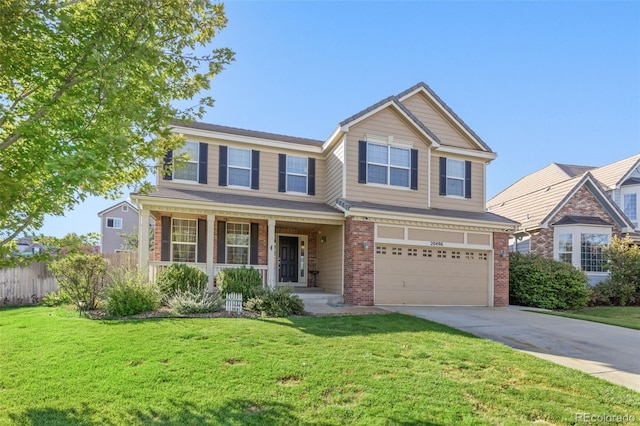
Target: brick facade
500, 269
358, 262
583, 203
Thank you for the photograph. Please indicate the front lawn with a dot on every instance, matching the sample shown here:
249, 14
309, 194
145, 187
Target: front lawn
627, 316
56, 368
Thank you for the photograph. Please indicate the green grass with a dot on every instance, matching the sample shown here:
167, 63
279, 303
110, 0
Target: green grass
627, 316
58, 369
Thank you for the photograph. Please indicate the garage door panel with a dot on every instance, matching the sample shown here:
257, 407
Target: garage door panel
420, 276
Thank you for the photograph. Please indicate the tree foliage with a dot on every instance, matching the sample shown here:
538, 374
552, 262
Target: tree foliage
81, 276
623, 264
87, 94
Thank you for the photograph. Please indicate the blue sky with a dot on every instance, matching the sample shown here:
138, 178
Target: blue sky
540, 82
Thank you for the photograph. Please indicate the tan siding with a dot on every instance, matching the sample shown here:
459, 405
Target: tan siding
386, 123
429, 235
329, 259
334, 164
390, 232
437, 122
475, 203
268, 174
480, 239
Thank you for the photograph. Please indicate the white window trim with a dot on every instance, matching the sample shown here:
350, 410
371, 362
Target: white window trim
195, 260
305, 175
229, 167
576, 231
388, 165
463, 179
190, 160
114, 222
227, 245
632, 190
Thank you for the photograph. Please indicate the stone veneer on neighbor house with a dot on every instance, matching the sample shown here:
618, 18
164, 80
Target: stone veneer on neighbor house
583, 203
358, 262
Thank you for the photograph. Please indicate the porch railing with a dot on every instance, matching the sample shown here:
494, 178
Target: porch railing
156, 266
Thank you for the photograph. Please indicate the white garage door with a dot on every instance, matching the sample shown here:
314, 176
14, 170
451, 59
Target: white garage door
431, 276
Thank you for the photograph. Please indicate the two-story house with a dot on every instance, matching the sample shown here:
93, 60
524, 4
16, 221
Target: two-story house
121, 218
390, 209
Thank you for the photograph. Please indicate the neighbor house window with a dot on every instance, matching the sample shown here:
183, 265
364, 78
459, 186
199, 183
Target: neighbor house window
239, 167
388, 165
238, 241
297, 174
592, 251
565, 248
188, 168
114, 222
184, 240
630, 207
455, 177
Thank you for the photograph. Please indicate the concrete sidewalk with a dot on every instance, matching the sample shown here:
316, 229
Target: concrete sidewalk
609, 352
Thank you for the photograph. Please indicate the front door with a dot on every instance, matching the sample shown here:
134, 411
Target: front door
288, 259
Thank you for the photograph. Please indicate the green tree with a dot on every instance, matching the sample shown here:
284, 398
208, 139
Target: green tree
623, 264
87, 94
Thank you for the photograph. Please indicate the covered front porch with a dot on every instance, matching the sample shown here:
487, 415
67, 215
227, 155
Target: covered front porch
300, 248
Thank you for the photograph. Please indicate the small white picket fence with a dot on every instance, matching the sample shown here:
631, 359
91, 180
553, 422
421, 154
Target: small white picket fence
234, 302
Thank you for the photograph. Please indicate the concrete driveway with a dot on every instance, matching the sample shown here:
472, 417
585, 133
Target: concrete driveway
605, 351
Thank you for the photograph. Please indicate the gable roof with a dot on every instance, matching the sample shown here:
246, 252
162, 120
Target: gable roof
612, 175
394, 102
573, 170
108, 209
536, 208
424, 88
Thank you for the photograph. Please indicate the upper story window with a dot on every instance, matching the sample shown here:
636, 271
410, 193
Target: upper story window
238, 167
455, 177
187, 170
630, 207
296, 174
193, 164
114, 222
388, 165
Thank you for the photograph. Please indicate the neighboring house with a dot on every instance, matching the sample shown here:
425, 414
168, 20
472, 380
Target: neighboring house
121, 218
570, 213
26, 247
390, 209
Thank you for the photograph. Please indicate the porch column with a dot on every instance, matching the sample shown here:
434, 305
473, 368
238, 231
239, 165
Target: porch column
211, 222
271, 258
143, 241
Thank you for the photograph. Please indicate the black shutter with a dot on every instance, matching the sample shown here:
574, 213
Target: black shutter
414, 169
282, 173
253, 245
168, 159
165, 239
311, 176
467, 179
255, 169
222, 241
222, 166
202, 241
202, 162
362, 162
443, 176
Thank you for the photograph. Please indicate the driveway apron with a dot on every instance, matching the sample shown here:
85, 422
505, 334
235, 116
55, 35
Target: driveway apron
609, 352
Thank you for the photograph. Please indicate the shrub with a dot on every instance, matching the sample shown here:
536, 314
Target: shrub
239, 280
181, 277
128, 294
81, 276
275, 303
194, 302
56, 298
623, 264
546, 283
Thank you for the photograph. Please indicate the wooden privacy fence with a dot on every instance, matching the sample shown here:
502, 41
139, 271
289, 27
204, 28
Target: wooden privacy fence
29, 284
